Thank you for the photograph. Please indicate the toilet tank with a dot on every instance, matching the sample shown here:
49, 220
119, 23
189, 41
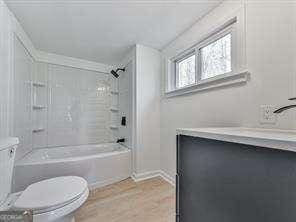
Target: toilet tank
7, 155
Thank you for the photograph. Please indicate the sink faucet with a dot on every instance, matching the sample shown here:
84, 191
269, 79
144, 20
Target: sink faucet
282, 109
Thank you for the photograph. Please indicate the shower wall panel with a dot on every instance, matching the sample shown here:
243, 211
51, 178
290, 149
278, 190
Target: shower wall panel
22, 100
79, 107
125, 104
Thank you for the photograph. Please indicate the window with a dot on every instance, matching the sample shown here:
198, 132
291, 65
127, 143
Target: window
216, 58
216, 61
185, 74
209, 59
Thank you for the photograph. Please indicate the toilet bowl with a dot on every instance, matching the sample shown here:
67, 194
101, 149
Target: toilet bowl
52, 200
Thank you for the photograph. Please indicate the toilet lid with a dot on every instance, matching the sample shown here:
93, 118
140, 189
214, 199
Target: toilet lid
50, 193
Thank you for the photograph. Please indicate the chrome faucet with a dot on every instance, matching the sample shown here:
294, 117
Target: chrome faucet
282, 109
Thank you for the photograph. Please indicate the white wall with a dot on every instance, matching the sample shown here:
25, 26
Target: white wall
144, 68
6, 42
270, 47
148, 70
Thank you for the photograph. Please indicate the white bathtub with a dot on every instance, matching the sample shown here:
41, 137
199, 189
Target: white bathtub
100, 165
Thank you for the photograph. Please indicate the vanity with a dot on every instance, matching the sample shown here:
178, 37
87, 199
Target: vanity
236, 175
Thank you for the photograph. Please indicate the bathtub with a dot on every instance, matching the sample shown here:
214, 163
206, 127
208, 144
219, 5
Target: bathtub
100, 164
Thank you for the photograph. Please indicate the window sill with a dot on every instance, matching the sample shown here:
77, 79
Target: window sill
220, 81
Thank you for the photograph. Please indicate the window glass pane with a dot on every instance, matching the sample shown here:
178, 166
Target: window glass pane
186, 72
216, 58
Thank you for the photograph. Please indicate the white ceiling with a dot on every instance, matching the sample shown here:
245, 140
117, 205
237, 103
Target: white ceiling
101, 30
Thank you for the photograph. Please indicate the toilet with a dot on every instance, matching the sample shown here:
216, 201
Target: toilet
52, 200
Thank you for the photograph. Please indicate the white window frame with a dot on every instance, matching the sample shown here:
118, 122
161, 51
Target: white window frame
237, 74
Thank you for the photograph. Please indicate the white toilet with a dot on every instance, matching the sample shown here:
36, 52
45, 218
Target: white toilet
55, 199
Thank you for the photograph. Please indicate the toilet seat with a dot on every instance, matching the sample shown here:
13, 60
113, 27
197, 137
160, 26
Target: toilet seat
62, 214
51, 194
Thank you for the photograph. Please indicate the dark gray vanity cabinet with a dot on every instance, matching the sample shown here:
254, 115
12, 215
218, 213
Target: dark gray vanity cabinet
229, 182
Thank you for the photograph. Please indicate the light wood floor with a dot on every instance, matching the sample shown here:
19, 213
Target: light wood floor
147, 201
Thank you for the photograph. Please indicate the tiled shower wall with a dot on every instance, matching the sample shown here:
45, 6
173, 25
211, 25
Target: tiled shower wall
79, 105
40, 99
56, 105
72, 106
125, 104
22, 97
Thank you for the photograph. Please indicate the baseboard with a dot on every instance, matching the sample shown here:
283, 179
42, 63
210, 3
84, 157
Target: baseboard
167, 178
137, 177
151, 174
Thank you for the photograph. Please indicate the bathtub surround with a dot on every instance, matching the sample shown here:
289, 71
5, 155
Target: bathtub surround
61, 105
70, 107
40, 95
66, 106
270, 55
125, 105
22, 97
79, 107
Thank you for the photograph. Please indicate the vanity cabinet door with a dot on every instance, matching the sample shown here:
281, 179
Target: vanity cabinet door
229, 182
177, 180
186, 180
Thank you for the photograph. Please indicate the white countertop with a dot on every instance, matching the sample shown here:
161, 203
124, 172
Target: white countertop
270, 138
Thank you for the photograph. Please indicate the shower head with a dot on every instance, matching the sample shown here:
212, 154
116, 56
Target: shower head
115, 73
